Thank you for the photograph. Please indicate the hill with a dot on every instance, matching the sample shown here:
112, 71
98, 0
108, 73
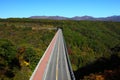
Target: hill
110, 18
49, 17
93, 46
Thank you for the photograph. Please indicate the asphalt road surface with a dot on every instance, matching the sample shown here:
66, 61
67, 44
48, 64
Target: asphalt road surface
57, 68
56, 65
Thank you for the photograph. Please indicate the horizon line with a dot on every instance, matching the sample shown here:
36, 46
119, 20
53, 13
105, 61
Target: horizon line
58, 16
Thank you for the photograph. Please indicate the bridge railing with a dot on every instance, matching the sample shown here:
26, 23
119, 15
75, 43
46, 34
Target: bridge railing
68, 60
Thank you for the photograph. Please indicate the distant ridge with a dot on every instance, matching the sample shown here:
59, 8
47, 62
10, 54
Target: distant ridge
49, 17
82, 18
110, 18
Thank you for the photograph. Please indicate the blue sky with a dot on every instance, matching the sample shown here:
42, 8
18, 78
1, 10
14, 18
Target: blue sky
67, 8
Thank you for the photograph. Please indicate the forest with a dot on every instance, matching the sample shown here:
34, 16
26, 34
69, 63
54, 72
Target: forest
93, 47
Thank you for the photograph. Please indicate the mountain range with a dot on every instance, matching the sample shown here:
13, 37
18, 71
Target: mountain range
110, 18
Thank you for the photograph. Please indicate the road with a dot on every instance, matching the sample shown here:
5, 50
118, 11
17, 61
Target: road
56, 64
57, 68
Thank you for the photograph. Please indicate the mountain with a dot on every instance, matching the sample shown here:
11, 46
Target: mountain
110, 18
82, 18
49, 17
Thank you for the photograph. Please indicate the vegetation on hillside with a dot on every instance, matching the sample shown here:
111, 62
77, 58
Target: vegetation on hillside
21, 48
93, 47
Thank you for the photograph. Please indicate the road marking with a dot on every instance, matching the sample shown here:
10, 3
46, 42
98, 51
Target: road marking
34, 74
57, 57
62, 57
65, 58
45, 74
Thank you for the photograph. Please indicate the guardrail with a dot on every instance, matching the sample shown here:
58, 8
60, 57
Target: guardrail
66, 55
68, 60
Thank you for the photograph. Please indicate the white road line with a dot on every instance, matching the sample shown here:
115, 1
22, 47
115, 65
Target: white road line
62, 57
33, 74
57, 57
45, 74
67, 70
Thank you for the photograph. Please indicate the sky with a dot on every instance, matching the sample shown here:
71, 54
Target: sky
66, 8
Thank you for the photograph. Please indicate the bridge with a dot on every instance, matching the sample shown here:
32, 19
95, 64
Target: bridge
55, 63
